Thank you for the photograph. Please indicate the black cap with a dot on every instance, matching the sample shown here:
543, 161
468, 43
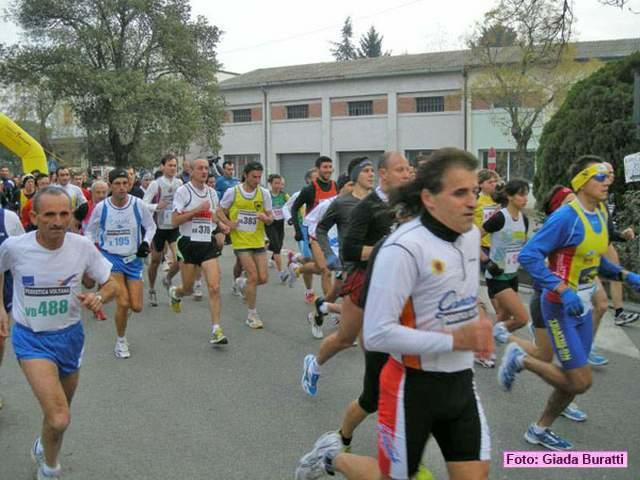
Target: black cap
117, 173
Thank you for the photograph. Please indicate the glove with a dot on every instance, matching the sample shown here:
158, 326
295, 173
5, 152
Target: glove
80, 213
633, 279
494, 269
571, 303
298, 236
290, 222
143, 250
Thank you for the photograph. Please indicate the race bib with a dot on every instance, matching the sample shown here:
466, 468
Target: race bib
487, 213
46, 306
201, 227
278, 214
585, 293
119, 242
165, 218
247, 221
511, 263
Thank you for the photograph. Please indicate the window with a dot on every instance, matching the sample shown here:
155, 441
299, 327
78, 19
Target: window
239, 161
415, 155
298, 111
242, 115
358, 109
429, 104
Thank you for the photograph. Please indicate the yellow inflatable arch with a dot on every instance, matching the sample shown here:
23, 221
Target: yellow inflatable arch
23, 145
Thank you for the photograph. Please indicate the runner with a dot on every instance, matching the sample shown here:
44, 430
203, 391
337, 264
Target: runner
200, 243
370, 221
10, 226
246, 209
275, 231
116, 227
47, 335
429, 321
574, 239
310, 196
508, 228
63, 175
42, 181
159, 197
134, 187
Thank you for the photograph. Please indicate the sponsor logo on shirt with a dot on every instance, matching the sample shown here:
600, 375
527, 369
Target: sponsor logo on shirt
437, 266
65, 281
454, 309
386, 441
28, 281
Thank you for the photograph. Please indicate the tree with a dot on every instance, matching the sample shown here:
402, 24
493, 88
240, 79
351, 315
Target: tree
531, 73
371, 44
130, 69
344, 49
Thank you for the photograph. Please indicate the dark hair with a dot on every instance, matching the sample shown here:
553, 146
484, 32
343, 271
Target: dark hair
308, 173
40, 177
581, 163
167, 157
343, 179
157, 175
273, 177
209, 175
322, 159
61, 167
429, 177
227, 162
252, 166
512, 187
354, 163
51, 190
486, 174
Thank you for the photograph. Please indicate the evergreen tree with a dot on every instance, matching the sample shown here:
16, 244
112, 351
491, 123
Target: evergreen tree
371, 44
344, 49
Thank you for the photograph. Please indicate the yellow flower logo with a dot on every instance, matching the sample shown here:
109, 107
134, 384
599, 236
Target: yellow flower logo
437, 266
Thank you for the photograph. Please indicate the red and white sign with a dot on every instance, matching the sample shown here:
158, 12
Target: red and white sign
491, 159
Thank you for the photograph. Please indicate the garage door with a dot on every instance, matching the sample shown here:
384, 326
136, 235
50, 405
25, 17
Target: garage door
293, 166
346, 157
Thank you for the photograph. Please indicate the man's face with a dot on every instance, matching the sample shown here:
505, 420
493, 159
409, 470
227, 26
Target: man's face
63, 177
597, 188
131, 173
325, 170
228, 170
366, 178
211, 181
397, 172
186, 166
43, 182
200, 170
53, 216
77, 180
145, 182
120, 188
253, 178
170, 168
29, 185
4, 172
455, 203
99, 192
489, 186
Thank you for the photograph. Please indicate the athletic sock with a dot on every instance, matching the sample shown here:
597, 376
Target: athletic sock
619, 311
345, 441
308, 291
538, 429
324, 308
253, 311
215, 327
50, 472
122, 339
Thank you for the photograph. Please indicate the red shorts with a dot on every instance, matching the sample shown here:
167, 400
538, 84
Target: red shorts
353, 286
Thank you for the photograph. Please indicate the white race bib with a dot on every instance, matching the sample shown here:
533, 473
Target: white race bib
247, 221
201, 228
511, 263
119, 242
487, 213
165, 218
46, 306
278, 214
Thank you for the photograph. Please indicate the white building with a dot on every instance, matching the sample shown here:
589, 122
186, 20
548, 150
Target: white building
410, 103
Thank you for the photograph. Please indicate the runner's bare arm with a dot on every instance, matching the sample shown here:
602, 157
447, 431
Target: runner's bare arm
94, 301
178, 218
4, 316
223, 217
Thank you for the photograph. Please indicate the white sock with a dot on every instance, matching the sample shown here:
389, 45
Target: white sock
308, 291
122, 339
215, 327
538, 429
49, 471
315, 368
253, 311
324, 308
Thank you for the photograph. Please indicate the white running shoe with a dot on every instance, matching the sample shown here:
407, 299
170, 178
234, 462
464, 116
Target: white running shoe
253, 321
316, 330
153, 298
293, 273
313, 465
122, 349
166, 283
271, 263
238, 287
197, 291
284, 276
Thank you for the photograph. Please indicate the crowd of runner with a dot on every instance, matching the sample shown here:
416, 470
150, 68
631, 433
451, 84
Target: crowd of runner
401, 255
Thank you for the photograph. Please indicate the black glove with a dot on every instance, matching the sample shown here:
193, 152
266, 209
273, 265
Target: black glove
143, 250
494, 269
80, 213
298, 236
290, 222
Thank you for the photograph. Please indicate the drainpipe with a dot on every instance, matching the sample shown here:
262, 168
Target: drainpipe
465, 109
264, 120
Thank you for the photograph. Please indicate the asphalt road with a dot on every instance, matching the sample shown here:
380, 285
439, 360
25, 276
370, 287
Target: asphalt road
180, 409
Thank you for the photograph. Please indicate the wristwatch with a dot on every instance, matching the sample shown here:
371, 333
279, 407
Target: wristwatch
99, 297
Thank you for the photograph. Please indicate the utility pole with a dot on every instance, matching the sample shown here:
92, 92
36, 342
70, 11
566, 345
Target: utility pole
636, 98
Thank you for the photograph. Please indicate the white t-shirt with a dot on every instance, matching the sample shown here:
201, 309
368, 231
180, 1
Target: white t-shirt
315, 216
164, 188
77, 197
286, 210
46, 282
187, 198
117, 230
12, 223
229, 195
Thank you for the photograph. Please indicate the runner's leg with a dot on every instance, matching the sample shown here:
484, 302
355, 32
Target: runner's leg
122, 304
348, 329
211, 273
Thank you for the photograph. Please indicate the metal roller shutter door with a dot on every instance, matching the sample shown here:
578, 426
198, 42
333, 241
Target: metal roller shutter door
293, 166
346, 157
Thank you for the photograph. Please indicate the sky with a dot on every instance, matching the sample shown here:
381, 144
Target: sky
261, 34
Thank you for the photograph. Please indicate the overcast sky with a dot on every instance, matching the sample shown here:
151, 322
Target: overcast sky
261, 34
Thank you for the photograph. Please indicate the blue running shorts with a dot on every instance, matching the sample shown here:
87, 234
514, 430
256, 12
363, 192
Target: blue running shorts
131, 271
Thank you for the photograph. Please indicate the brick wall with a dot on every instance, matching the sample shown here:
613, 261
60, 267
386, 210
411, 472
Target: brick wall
479, 104
315, 110
278, 112
339, 109
380, 106
256, 114
452, 103
406, 105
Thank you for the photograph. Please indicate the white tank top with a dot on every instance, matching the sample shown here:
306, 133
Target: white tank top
507, 243
120, 228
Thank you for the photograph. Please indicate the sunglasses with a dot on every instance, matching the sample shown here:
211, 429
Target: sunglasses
601, 177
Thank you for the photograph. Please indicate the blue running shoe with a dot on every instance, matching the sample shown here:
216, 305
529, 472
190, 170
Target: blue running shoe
597, 360
572, 412
500, 333
547, 439
309, 378
511, 364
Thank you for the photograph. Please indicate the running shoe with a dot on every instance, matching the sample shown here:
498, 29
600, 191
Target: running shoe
511, 364
55, 475
309, 377
37, 452
217, 337
314, 464
423, 473
153, 298
485, 362
166, 283
293, 274
547, 439
596, 359
500, 333
625, 318
235, 289
316, 330
176, 302
271, 263
253, 321
318, 303
121, 349
197, 291
309, 297
284, 276
572, 412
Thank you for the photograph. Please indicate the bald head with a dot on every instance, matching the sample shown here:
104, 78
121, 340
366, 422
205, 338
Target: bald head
99, 191
394, 170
